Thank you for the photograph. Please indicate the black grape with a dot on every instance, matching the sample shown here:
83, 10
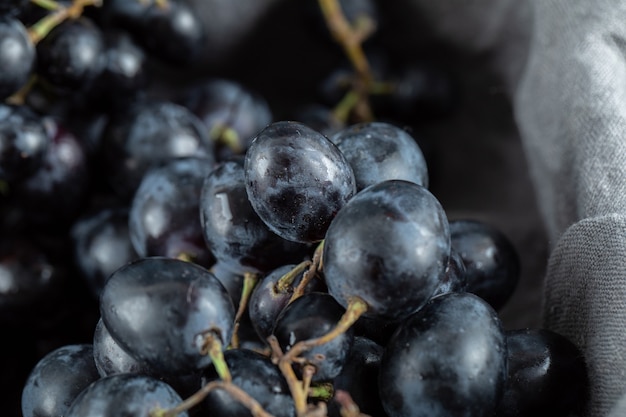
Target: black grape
232, 114
23, 142
492, 265
309, 316
547, 376
256, 375
388, 246
124, 395
379, 151
297, 180
71, 56
17, 56
447, 359
160, 310
233, 231
57, 379
146, 135
101, 245
164, 212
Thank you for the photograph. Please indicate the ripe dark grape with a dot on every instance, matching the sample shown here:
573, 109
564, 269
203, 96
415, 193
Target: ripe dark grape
257, 376
17, 56
164, 213
110, 358
297, 180
233, 231
71, 56
161, 311
146, 135
124, 394
547, 375
232, 114
448, 358
389, 246
101, 245
380, 151
492, 265
57, 379
23, 142
309, 316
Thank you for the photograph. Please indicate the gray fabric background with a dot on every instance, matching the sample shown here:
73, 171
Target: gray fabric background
538, 149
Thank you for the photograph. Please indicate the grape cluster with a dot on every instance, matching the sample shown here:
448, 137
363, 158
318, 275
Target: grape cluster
185, 251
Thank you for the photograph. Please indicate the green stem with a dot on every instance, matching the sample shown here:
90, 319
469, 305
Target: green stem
47, 4
213, 347
284, 283
249, 283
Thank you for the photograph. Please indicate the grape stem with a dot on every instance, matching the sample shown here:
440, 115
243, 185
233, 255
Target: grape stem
285, 283
212, 346
237, 393
249, 282
309, 274
299, 390
347, 404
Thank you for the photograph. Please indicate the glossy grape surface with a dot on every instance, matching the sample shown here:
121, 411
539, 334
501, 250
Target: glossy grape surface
57, 379
160, 310
380, 151
389, 246
449, 358
124, 395
17, 56
297, 180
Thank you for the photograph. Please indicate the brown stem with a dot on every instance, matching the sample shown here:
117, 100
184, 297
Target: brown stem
309, 274
249, 282
348, 407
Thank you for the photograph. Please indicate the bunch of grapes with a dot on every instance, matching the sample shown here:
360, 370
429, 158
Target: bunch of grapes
182, 251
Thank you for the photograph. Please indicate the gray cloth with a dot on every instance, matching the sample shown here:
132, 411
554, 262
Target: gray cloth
564, 69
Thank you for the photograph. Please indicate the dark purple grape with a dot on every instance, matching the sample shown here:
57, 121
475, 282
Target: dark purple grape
161, 310
146, 135
173, 33
23, 142
359, 377
447, 359
233, 231
71, 56
379, 151
57, 379
232, 114
297, 180
101, 245
313, 315
389, 246
547, 376
124, 395
270, 297
17, 56
491, 261
164, 215
54, 195
258, 377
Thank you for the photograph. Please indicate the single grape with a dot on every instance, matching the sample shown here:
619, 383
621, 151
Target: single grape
492, 264
71, 56
258, 377
163, 216
310, 316
17, 56
57, 379
124, 395
379, 151
146, 135
101, 245
389, 246
547, 375
448, 358
297, 180
233, 231
162, 310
